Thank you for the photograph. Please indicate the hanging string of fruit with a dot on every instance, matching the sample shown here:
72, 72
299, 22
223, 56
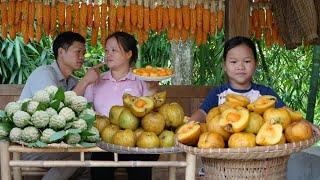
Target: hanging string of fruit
262, 23
182, 19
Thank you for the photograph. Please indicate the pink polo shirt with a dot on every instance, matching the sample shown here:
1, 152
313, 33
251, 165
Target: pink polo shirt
107, 91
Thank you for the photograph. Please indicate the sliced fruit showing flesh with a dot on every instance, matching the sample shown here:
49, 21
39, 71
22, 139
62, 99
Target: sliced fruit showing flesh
213, 125
142, 106
189, 133
269, 134
234, 119
262, 104
159, 99
128, 100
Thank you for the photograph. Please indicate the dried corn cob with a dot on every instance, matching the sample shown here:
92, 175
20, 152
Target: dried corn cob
213, 23
205, 19
46, 18
140, 15
89, 14
268, 18
133, 13
24, 21
176, 35
61, 15
112, 18
31, 15
76, 19
268, 37
153, 16
184, 34
53, 19
179, 23
193, 18
262, 18
39, 15
159, 10
103, 22
68, 21
11, 15
199, 37
165, 17
199, 11
4, 19
170, 33
127, 15
172, 13
220, 15
186, 15
120, 12
17, 18
83, 20
146, 16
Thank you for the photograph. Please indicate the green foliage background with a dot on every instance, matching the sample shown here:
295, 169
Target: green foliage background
289, 70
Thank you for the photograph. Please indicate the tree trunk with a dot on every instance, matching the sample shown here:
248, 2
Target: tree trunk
314, 80
182, 62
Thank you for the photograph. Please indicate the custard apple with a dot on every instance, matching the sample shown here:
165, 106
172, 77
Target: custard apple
11, 108
15, 134
79, 124
51, 111
40, 119
46, 134
73, 138
51, 90
57, 122
68, 96
32, 107
21, 118
78, 103
67, 114
93, 138
30, 134
41, 96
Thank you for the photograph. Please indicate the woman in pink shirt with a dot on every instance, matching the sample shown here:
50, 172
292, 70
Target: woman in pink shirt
120, 53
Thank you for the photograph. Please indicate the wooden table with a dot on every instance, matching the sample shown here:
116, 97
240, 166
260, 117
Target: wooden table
16, 163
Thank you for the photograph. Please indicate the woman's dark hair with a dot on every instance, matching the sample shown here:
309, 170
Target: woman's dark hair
238, 40
127, 42
65, 40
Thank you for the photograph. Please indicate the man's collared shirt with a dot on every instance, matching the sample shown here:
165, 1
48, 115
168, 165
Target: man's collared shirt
45, 76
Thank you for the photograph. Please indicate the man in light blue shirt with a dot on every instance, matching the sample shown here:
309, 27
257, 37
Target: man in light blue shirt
69, 49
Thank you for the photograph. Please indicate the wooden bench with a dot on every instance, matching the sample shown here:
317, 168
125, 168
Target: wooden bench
189, 97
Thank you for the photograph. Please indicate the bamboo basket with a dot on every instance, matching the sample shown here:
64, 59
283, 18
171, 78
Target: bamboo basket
260, 162
136, 150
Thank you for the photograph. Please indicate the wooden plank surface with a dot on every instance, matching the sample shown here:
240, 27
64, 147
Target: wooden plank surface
237, 18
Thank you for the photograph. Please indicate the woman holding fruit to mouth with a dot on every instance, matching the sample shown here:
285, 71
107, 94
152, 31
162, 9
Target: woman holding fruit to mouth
120, 53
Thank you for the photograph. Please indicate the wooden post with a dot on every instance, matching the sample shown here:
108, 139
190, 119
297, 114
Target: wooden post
236, 18
16, 170
191, 167
5, 158
314, 83
172, 170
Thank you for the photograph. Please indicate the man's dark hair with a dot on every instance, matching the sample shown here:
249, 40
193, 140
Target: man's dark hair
238, 40
65, 40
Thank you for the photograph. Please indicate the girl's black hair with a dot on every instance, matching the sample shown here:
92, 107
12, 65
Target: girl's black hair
65, 40
238, 40
128, 43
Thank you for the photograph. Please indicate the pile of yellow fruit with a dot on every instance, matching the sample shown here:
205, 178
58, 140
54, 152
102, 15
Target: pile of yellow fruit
146, 122
150, 71
239, 123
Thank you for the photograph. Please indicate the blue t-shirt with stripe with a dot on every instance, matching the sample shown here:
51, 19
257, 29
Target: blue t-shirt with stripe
218, 94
